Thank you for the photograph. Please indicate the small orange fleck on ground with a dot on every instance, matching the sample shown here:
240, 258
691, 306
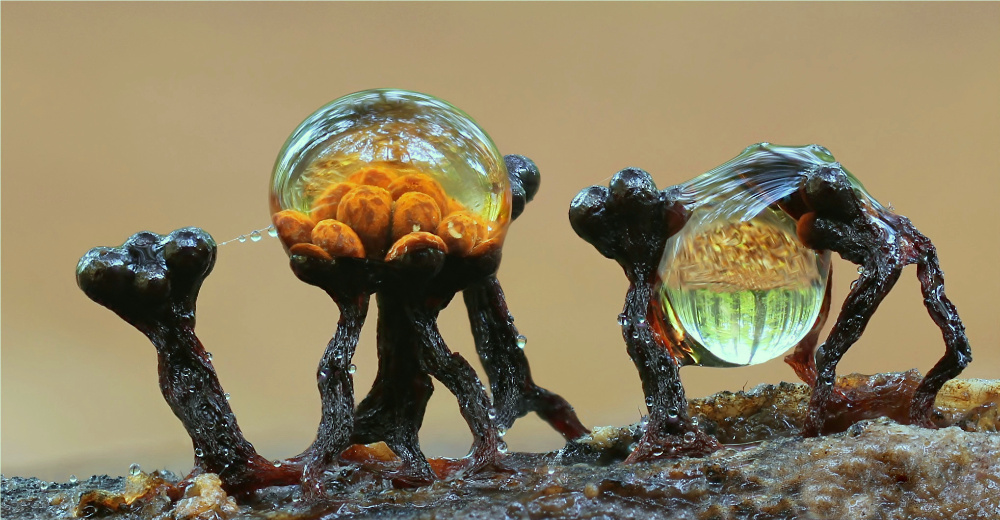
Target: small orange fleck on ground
325, 206
414, 211
415, 241
204, 499
337, 239
293, 227
368, 210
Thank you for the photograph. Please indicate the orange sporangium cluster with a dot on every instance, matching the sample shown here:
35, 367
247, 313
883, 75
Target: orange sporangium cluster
378, 214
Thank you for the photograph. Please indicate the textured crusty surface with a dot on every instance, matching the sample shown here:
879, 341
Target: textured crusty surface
876, 469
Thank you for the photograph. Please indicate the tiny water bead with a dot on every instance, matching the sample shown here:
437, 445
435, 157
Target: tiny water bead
522, 341
134, 469
379, 168
352, 369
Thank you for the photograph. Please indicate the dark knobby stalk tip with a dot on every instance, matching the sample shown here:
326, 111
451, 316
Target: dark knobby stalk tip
152, 282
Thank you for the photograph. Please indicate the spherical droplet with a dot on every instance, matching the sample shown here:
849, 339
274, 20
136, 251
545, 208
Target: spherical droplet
277, 463
208, 355
134, 469
393, 141
622, 319
198, 452
501, 431
672, 413
352, 368
689, 437
521, 341
242, 238
502, 447
227, 396
255, 236
492, 414
649, 401
861, 269
272, 232
736, 280
72, 479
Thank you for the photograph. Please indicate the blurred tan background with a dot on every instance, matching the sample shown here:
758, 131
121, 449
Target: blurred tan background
121, 117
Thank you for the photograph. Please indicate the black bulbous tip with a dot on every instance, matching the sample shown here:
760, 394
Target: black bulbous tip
524, 181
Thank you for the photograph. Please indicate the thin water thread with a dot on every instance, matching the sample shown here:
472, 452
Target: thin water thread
254, 236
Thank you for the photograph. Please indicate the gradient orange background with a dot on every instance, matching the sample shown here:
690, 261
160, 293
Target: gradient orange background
121, 117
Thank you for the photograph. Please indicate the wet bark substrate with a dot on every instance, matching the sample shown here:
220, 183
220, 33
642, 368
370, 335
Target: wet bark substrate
871, 468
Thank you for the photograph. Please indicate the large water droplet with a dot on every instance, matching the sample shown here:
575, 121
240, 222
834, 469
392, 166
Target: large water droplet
255, 236
352, 368
134, 469
521, 341
396, 141
272, 232
72, 479
736, 280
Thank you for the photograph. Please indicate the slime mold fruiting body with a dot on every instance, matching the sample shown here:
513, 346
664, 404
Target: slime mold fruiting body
383, 192
402, 195
732, 268
152, 282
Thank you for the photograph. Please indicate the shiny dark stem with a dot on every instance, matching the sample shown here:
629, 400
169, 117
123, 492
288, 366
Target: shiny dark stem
152, 282
630, 222
514, 391
832, 216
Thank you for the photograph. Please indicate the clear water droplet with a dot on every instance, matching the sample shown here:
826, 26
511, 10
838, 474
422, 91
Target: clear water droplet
72, 479
502, 447
241, 239
742, 287
492, 414
44, 486
689, 437
649, 401
521, 341
641, 320
501, 431
635, 334
134, 469
208, 355
272, 232
198, 452
694, 421
854, 285
622, 319
861, 269
227, 396
551, 471
672, 413
277, 463
255, 236
352, 368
